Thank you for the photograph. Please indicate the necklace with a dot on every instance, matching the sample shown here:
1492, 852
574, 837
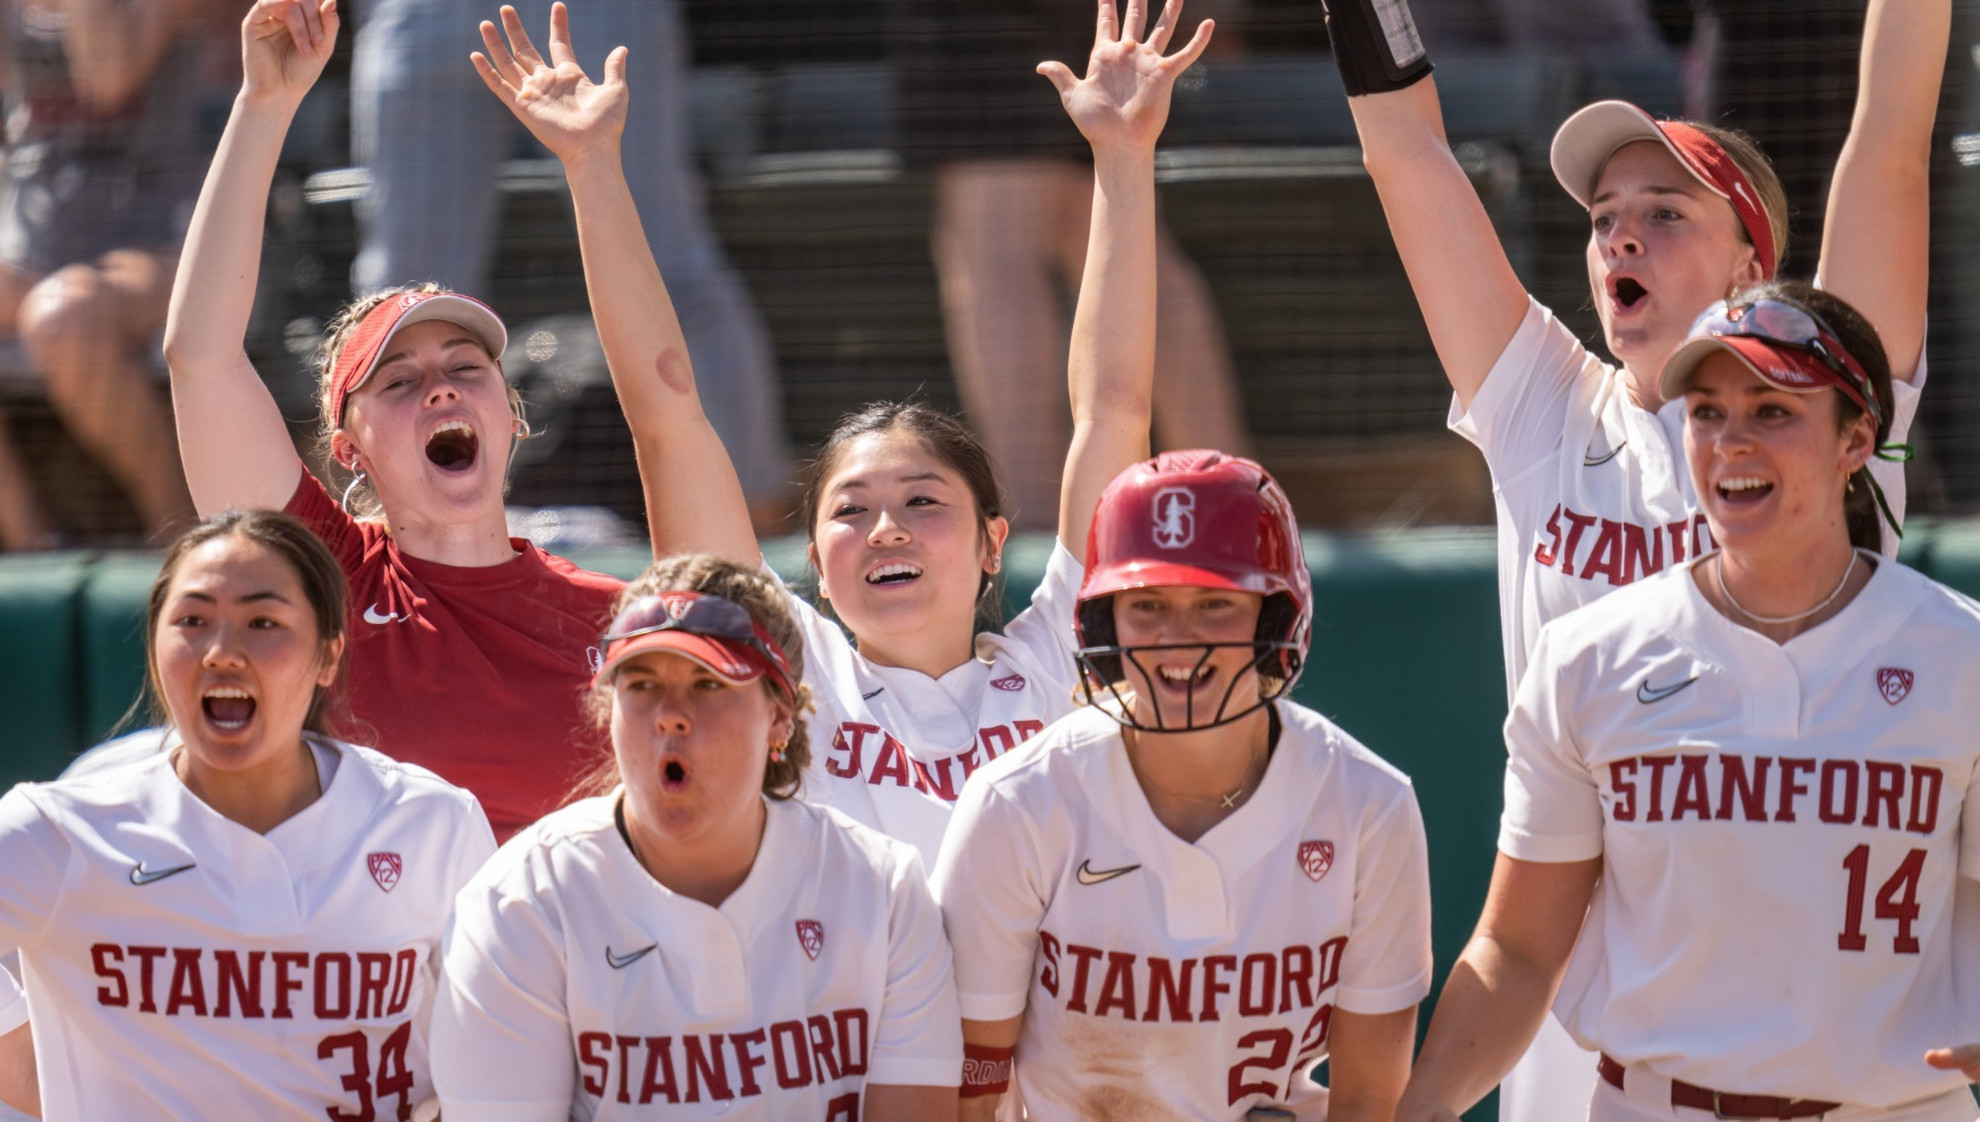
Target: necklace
1796, 617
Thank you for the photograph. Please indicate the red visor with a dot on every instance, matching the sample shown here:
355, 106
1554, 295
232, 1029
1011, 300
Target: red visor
716, 632
1785, 345
368, 340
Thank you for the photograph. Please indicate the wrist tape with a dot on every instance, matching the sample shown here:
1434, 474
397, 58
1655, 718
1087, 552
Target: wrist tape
1375, 45
986, 1071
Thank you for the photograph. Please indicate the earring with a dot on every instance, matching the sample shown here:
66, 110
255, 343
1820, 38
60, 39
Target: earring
357, 477
1849, 485
777, 751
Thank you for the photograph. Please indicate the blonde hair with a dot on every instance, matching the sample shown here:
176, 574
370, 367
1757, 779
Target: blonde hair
769, 606
336, 335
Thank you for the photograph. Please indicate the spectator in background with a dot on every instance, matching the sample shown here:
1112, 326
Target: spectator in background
1013, 194
433, 140
103, 160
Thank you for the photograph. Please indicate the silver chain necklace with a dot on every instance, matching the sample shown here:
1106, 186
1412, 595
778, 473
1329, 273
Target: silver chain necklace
1796, 617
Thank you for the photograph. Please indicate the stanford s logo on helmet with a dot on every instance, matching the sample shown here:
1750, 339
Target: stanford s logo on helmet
1198, 519
1174, 514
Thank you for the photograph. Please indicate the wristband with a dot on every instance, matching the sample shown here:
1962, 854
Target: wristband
986, 1071
1375, 45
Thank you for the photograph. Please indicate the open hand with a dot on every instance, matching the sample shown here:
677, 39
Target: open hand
284, 44
1124, 99
555, 100
1965, 1058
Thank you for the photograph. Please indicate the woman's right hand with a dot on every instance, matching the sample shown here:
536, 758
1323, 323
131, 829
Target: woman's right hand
284, 44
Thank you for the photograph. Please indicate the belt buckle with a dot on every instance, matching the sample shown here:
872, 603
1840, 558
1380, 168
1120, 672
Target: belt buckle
1717, 1110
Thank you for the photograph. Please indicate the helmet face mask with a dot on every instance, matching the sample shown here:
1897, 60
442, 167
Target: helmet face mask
1193, 519
1104, 670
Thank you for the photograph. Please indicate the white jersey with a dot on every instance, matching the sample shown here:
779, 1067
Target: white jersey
1781, 827
180, 965
1593, 493
891, 747
576, 986
1161, 979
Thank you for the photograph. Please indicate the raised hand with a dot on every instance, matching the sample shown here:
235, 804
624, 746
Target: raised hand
555, 100
284, 44
1124, 99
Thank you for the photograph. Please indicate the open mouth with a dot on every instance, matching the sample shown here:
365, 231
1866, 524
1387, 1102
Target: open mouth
894, 572
227, 707
1744, 489
1627, 292
1185, 678
453, 445
673, 776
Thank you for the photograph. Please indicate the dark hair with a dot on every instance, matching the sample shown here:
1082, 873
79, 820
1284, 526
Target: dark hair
947, 439
768, 604
316, 570
1859, 337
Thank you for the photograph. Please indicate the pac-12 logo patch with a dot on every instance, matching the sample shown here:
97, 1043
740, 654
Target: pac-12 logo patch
385, 869
811, 936
1893, 683
1315, 858
1010, 683
1175, 518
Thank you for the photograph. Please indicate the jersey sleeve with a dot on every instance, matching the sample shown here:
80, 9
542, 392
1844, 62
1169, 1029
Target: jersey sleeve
311, 503
988, 883
1045, 629
1553, 807
1517, 415
1386, 966
919, 1042
1889, 475
35, 855
501, 1032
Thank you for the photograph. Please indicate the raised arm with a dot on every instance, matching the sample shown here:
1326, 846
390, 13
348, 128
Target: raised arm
1465, 286
1120, 106
231, 435
694, 502
1876, 235
1499, 991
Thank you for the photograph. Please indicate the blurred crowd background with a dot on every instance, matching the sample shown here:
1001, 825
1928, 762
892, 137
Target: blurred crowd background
861, 199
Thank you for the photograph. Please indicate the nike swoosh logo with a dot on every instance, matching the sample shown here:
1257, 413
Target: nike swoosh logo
373, 615
1651, 696
141, 876
874, 694
1586, 462
1086, 874
621, 961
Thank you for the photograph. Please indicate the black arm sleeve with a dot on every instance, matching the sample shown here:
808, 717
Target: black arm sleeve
1375, 45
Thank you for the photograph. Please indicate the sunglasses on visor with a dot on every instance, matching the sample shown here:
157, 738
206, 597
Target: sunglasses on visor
700, 614
1779, 323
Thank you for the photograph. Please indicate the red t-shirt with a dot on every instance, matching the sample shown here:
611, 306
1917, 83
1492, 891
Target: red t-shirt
475, 673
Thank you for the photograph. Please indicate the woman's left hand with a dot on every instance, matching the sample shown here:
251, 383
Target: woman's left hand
1965, 1058
561, 106
1123, 101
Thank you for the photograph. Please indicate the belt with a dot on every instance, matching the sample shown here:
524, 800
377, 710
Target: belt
1723, 1105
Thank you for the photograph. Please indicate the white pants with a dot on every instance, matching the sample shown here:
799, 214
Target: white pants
1612, 1105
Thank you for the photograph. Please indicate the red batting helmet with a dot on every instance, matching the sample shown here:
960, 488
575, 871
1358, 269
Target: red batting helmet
1198, 519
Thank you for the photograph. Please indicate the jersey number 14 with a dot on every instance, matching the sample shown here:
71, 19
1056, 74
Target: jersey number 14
1897, 900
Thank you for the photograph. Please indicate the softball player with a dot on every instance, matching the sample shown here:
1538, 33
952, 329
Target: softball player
1766, 757
248, 924
904, 510
1587, 468
446, 670
1176, 902
696, 943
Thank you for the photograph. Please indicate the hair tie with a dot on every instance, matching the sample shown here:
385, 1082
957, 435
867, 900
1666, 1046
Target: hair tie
1895, 453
